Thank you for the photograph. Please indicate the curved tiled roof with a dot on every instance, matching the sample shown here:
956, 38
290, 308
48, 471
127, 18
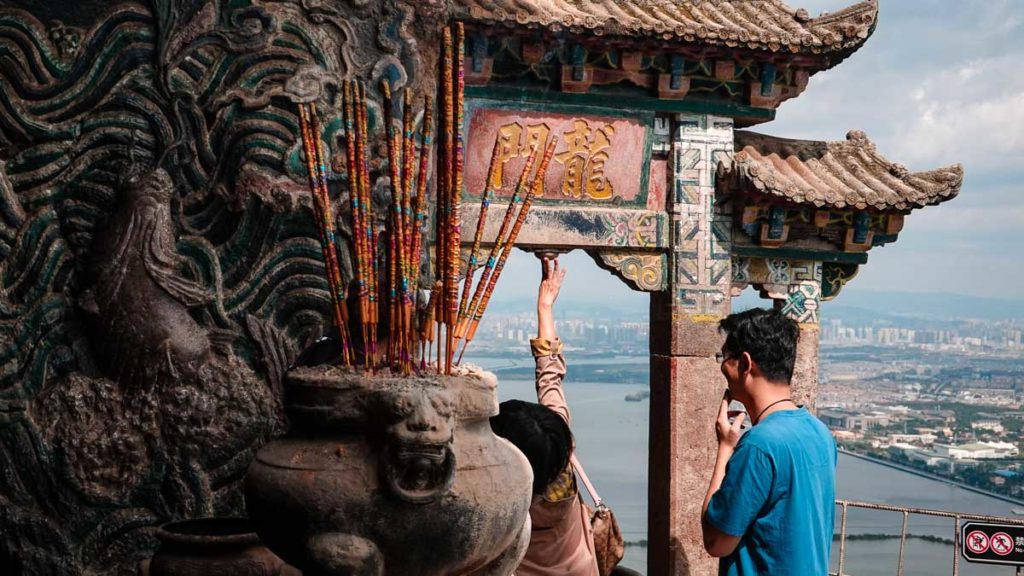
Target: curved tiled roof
756, 24
846, 174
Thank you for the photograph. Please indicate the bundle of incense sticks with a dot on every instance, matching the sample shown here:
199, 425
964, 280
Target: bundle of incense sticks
405, 231
392, 279
456, 318
474, 254
309, 124
360, 213
363, 234
403, 237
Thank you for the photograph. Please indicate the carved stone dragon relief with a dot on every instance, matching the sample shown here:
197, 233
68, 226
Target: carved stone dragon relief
159, 268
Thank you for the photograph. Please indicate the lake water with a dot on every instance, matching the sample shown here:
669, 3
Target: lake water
611, 437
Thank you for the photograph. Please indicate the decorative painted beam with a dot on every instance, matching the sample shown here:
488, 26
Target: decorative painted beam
578, 227
742, 114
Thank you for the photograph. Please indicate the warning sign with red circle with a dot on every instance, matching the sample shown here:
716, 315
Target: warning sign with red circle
977, 542
992, 543
1001, 543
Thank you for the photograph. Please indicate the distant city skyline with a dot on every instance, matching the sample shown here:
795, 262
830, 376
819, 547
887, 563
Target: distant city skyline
938, 83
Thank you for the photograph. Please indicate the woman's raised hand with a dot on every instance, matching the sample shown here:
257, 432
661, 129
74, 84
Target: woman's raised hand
550, 283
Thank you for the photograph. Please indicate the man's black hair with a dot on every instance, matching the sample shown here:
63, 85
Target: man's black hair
540, 434
768, 336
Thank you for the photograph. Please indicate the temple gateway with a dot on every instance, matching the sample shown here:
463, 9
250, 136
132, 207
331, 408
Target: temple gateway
665, 185
160, 270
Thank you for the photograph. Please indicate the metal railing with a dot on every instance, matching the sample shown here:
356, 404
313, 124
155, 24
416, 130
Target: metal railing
955, 516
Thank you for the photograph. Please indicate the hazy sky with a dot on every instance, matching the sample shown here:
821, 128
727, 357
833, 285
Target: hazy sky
939, 82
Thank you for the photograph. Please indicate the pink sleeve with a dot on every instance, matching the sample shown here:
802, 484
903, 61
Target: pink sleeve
549, 373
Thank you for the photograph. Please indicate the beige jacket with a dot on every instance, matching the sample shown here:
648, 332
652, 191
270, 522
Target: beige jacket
562, 540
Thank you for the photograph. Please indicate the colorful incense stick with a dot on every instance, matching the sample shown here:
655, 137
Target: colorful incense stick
474, 254
368, 232
409, 162
443, 245
426, 144
456, 191
536, 186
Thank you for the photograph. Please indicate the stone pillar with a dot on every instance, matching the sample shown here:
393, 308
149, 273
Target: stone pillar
686, 383
799, 298
805, 373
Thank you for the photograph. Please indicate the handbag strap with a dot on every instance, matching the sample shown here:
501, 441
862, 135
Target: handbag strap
598, 503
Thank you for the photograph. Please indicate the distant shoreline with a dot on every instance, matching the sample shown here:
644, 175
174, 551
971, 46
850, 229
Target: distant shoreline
935, 477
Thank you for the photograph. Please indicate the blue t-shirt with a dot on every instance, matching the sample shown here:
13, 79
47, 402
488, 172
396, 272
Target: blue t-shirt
779, 495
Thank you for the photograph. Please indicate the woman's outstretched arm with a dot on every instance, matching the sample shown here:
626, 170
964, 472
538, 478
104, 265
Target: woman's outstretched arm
547, 348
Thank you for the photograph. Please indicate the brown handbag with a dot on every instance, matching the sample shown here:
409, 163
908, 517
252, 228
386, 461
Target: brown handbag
609, 547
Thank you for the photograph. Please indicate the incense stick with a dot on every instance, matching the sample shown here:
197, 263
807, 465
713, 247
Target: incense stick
394, 228
368, 232
426, 144
456, 193
444, 240
474, 254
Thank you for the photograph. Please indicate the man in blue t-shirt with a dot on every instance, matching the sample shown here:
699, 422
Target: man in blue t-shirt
770, 507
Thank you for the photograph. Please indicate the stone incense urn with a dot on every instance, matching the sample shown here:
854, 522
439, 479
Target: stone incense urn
213, 547
386, 475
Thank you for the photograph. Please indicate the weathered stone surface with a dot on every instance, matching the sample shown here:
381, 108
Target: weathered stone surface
685, 396
159, 263
675, 332
805, 372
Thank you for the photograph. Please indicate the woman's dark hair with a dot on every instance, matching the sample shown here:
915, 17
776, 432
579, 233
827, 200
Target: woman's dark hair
540, 434
768, 336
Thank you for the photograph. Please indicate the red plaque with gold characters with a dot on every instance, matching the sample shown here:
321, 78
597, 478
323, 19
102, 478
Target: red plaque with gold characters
599, 159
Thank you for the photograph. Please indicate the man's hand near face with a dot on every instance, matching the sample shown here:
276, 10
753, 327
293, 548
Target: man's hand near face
728, 432
716, 542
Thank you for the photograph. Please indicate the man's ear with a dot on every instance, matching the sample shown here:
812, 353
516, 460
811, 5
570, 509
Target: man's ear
746, 363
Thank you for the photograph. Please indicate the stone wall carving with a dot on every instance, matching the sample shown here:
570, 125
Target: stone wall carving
159, 268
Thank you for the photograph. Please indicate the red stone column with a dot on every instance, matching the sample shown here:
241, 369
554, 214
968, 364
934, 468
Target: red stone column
686, 383
686, 388
805, 372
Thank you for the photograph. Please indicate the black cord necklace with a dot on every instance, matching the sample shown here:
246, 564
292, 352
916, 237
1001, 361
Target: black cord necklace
758, 419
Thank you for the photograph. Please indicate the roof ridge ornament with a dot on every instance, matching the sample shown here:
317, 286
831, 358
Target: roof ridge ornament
866, 7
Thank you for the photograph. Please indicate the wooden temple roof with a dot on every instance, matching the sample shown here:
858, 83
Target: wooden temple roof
845, 174
756, 24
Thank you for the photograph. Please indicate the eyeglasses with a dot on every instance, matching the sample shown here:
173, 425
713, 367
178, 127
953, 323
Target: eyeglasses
722, 357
